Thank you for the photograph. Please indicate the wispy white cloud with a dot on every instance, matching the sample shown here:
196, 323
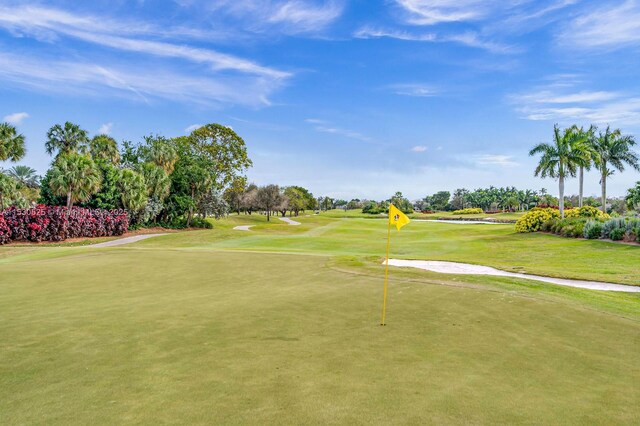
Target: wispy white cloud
210, 77
419, 148
495, 160
36, 22
285, 16
192, 128
326, 127
133, 82
469, 38
15, 118
430, 12
413, 89
565, 102
607, 26
105, 129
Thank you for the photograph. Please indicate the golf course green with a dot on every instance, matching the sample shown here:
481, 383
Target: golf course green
280, 325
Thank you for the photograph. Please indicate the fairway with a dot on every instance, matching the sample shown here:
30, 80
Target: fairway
216, 327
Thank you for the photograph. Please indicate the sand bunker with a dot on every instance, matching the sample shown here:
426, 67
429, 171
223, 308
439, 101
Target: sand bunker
468, 269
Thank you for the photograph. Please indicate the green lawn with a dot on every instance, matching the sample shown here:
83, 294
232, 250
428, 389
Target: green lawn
206, 327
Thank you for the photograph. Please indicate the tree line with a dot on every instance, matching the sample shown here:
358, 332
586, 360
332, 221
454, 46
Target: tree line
574, 150
157, 181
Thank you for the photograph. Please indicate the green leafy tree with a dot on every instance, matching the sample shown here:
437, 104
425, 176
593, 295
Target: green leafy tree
633, 197
269, 197
440, 200
299, 199
612, 152
75, 176
560, 159
223, 150
12, 146
233, 194
66, 139
109, 195
24, 175
104, 148
403, 204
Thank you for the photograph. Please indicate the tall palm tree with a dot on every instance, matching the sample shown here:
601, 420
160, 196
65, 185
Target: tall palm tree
559, 159
585, 146
76, 176
163, 155
11, 143
24, 175
612, 152
104, 147
65, 140
133, 190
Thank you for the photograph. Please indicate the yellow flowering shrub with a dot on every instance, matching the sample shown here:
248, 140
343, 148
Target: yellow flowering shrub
588, 212
468, 211
534, 218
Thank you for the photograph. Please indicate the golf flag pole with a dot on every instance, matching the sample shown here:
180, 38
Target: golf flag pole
399, 219
386, 277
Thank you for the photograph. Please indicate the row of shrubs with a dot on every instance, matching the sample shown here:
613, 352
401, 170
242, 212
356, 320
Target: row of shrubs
535, 218
473, 210
586, 222
53, 223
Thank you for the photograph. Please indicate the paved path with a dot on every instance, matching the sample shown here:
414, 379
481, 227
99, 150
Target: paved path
243, 228
289, 221
468, 269
126, 240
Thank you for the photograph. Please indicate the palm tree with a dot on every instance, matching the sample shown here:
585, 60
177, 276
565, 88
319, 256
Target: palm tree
7, 188
76, 176
65, 140
612, 152
133, 190
560, 159
585, 146
11, 143
104, 147
164, 156
24, 175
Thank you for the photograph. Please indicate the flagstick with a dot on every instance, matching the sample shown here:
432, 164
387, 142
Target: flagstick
386, 277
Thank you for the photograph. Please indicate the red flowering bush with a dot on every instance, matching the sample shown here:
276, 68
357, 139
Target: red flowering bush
5, 232
53, 223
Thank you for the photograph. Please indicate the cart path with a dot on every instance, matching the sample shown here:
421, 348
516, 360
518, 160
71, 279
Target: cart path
122, 241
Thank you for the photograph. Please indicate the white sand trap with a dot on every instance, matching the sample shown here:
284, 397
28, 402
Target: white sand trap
462, 222
468, 269
289, 221
243, 228
126, 240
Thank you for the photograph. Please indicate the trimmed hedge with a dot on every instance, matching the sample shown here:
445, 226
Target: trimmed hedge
53, 223
473, 210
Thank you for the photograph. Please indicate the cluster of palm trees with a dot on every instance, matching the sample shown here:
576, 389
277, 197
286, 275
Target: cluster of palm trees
575, 150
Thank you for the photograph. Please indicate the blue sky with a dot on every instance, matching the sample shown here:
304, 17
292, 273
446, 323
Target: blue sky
356, 98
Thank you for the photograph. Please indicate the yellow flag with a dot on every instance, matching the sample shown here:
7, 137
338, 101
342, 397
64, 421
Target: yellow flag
397, 218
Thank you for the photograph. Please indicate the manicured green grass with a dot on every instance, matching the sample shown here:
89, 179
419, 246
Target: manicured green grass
132, 335
492, 245
357, 213
206, 327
